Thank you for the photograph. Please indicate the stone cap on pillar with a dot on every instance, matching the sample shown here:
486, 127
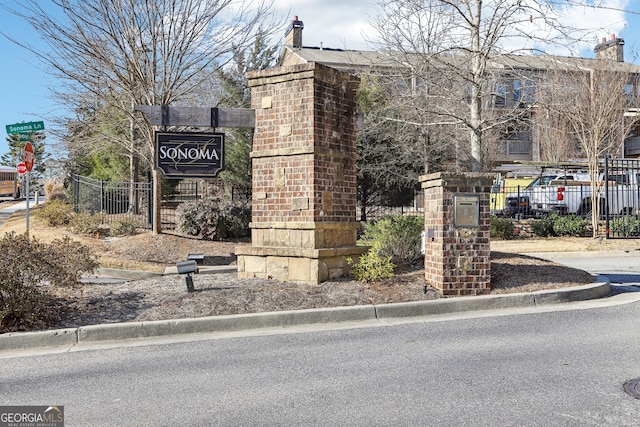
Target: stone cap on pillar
459, 179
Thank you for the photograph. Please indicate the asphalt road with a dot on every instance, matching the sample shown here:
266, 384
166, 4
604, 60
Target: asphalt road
558, 368
10, 207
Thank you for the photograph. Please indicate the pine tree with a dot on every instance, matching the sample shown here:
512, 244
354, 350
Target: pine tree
236, 94
15, 156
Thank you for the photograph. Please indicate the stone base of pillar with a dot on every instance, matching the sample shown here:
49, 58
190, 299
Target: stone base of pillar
311, 266
299, 252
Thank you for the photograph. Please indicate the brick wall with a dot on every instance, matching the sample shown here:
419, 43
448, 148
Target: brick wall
304, 163
457, 259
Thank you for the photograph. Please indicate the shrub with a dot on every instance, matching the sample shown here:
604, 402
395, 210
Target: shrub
28, 268
501, 228
55, 213
397, 237
124, 226
372, 266
571, 225
85, 223
625, 226
210, 219
557, 225
234, 220
199, 218
54, 190
543, 227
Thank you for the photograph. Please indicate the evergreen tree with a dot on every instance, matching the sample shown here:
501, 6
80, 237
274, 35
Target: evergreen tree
16, 155
236, 94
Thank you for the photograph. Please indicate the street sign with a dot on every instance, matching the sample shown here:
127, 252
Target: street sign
28, 156
25, 127
26, 137
22, 168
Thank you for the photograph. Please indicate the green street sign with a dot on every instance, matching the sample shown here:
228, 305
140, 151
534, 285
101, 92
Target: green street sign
26, 137
25, 127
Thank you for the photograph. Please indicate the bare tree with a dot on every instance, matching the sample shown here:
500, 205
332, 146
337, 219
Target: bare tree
454, 52
128, 52
555, 137
596, 97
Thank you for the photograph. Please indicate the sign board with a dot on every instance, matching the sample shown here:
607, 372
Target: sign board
189, 155
28, 156
25, 127
22, 168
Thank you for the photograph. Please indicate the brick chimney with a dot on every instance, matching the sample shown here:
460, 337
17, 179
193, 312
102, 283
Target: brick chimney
611, 50
293, 35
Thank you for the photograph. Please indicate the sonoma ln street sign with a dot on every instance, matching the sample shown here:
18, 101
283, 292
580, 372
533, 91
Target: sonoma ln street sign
25, 127
189, 155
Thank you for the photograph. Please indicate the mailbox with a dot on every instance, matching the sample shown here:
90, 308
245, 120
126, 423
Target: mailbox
466, 210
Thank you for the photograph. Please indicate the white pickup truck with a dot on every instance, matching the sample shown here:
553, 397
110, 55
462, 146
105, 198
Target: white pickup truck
572, 194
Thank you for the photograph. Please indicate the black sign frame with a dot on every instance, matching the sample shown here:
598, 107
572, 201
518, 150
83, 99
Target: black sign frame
189, 154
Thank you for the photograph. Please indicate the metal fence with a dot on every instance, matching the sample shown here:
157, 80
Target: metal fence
132, 200
174, 194
116, 200
616, 196
375, 211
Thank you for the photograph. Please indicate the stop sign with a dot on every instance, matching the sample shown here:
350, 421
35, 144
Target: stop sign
28, 156
22, 168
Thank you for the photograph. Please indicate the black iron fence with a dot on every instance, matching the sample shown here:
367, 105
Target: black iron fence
616, 197
379, 209
115, 200
175, 193
132, 200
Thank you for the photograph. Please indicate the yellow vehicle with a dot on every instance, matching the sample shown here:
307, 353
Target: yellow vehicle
8, 182
503, 186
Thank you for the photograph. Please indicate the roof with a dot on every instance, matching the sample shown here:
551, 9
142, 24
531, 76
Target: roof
358, 60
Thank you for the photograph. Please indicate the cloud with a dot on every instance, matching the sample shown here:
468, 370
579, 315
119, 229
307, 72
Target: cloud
345, 24
336, 24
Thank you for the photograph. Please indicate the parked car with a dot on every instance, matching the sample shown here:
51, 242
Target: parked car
501, 187
572, 194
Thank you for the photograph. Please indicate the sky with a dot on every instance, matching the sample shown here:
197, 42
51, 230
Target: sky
344, 24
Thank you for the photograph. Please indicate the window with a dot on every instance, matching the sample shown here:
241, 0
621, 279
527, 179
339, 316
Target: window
517, 91
501, 95
628, 91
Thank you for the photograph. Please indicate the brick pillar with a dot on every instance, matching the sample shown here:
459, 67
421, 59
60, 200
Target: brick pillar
457, 250
303, 223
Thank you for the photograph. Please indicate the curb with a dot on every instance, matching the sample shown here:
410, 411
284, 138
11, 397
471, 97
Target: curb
283, 319
124, 274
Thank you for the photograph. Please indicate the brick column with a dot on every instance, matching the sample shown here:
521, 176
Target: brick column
457, 252
304, 175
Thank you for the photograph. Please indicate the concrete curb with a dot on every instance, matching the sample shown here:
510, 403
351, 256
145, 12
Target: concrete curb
125, 274
283, 319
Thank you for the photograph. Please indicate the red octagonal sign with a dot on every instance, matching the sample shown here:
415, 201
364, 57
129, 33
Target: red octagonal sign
28, 156
22, 168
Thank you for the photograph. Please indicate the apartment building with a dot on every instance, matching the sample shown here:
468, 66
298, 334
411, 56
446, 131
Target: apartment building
518, 87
